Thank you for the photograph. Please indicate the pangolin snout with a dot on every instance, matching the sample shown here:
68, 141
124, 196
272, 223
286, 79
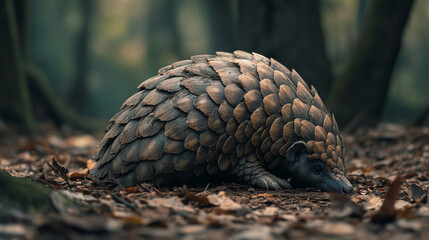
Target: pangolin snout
345, 186
347, 189
339, 184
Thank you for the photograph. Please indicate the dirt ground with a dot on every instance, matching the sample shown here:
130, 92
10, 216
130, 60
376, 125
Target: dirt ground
388, 167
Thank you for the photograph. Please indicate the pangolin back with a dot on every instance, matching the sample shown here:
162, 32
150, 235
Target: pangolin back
208, 114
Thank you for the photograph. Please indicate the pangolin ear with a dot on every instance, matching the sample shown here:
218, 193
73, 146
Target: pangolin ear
297, 153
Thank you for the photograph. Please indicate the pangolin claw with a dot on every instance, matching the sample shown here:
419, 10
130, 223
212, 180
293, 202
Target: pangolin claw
272, 182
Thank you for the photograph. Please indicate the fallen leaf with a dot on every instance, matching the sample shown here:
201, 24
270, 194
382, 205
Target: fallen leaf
228, 204
409, 225
26, 156
406, 213
81, 173
173, 203
67, 202
338, 229
57, 142
61, 171
387, 212
256, 232
132, 189
423, 211
342, 207
289, 217
135, 219
82, 141
202, 200
36, 145
331, 228
417, 193
270, 211
13, 230
192, 229
130, 217
371, 202
90, 164
400, 204
224, 202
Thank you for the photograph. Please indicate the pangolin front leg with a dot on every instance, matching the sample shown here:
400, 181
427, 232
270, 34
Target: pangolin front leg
250, 170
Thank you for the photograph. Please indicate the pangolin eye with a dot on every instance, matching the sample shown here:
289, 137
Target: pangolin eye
317, 169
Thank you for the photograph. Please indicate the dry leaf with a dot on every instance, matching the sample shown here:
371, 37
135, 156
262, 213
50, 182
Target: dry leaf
224, 202
203, 200
82, 141
59, 170
331, 228
417, 193
387, 211
342, 207
270, 211
132, 189
371, 202
173, 203
81, 160
81, 173
192, 229
90, 164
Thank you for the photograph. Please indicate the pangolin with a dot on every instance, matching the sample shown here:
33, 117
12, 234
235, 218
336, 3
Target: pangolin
236, 113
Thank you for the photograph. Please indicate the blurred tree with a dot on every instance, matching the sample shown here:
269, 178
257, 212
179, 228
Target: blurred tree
164, 42
23, 88
421, 118
289, 31
222, 35
358, 96
407, 97
48, 106
78, 96
362, 10
15, 102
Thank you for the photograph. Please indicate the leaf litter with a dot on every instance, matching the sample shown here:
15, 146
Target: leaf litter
388, 167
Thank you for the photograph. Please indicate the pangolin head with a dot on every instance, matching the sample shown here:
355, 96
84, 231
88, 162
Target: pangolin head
314, 150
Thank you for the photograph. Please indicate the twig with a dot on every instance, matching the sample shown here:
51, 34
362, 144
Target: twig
123, 201
59, 170
205, 189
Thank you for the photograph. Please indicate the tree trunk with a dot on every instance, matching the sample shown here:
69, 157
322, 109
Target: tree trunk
420, 120
362, 10
20, 82
15, 102
221, 25
289, 31
362, 89
164, 42
50, 106
79, 94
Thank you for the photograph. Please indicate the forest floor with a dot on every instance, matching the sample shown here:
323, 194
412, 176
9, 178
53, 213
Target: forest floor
388, 167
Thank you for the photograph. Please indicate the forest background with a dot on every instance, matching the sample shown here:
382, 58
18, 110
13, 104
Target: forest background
367, 59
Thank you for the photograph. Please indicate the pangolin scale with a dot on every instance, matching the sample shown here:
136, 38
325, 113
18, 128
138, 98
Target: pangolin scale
237, 113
